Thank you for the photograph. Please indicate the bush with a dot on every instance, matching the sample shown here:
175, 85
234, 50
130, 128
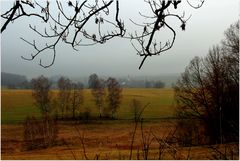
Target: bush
86, 115
188, 132
40, 133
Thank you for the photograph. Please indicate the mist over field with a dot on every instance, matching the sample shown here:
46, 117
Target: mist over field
9, 80
118, 58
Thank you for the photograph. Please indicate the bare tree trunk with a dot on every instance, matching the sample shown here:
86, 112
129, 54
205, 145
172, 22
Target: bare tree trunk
100, 112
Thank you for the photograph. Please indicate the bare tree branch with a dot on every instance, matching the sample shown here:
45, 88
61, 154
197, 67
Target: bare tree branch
198, 6
71, 27
67, 27
12, 14
146, 41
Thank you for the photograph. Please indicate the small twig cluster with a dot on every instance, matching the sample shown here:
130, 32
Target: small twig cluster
70, 28
137, 120
147, 139
147, 43
166, 143
19, 10
224, 151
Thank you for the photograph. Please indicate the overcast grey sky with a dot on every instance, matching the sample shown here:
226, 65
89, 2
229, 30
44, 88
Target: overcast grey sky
117, 57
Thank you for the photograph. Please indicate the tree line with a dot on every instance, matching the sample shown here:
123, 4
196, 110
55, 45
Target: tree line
67, 103
207, 94
68, 100
14, 81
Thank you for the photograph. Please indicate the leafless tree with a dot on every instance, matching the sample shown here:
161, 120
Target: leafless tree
64, 93
71, 27
114, 95
98, 91
231, 41
97, 86
93, 80
231, 51
208, 91
41, 94
76, 98
42, 132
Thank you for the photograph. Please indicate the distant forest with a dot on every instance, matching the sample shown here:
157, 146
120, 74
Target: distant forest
13, 81
16, 81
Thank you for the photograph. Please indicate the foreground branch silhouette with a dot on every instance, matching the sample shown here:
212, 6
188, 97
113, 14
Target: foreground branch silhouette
71, 29
145, 43
71, 25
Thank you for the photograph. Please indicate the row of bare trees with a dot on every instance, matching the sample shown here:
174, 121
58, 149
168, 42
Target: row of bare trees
114, 95
43, 131
69, 98
68, 101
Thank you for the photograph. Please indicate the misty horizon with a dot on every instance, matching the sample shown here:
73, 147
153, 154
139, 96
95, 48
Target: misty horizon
117, 57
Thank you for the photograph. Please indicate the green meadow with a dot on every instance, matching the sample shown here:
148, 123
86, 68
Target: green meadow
16, 105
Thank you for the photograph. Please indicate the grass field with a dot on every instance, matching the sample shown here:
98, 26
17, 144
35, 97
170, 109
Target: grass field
107, 139
17, 104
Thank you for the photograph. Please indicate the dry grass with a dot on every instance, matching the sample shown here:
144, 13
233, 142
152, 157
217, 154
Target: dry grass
107, 141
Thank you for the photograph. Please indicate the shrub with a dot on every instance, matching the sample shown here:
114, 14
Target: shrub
86, 115
39, 133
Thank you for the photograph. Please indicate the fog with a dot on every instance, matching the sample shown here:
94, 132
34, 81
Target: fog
117, 57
